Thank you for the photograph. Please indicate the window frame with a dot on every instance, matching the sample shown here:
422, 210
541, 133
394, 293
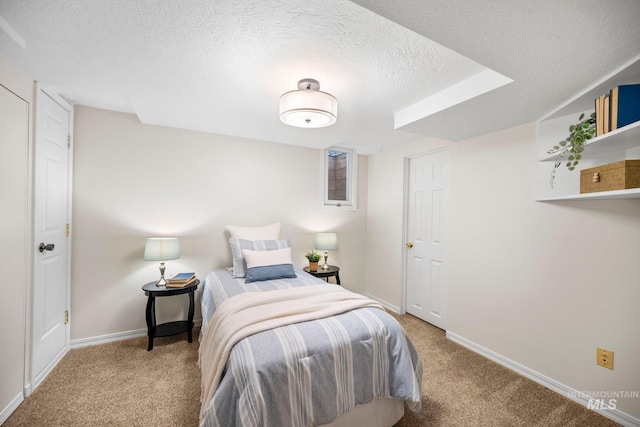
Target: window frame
352, 185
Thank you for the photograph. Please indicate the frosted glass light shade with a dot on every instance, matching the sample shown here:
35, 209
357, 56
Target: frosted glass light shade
326, 241
162, 249
308, 108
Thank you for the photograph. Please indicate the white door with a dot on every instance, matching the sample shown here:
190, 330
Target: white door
426, 245
51, 206
14, 231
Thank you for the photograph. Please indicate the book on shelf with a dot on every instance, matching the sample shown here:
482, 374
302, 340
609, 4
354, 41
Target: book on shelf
605, 115
181, 284
599, 103
613, 107
624, 105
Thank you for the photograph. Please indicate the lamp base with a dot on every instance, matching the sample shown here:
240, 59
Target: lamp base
161, 282
326, 257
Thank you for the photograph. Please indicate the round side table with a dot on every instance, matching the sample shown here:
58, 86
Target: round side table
332, 270
171, 328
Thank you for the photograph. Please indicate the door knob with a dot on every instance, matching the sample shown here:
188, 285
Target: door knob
48, 247
410, 245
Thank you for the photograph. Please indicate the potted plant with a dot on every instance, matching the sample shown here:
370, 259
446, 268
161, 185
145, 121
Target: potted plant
579, 133
313, 256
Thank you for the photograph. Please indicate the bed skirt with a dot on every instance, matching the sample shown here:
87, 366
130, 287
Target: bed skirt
381, 412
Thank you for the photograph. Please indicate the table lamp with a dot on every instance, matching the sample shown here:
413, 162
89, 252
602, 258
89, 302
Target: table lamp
326, 242
162, 249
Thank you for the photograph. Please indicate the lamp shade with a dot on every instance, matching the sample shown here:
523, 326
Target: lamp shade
326, 241
308, 107
162, 249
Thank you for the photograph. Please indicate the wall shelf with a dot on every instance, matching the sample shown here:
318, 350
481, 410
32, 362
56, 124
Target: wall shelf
621, 144
633, 193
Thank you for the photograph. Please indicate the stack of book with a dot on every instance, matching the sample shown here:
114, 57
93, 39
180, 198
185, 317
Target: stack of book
181, 280
618, 108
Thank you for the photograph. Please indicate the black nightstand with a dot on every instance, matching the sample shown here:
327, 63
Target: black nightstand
170, 328
332, 270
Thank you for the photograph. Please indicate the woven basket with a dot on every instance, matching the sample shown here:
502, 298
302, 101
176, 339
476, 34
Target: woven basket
612, 176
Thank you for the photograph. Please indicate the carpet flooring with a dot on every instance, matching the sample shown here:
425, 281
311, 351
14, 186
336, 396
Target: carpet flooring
121, 384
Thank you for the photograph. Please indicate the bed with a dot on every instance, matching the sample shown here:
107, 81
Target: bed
279, 347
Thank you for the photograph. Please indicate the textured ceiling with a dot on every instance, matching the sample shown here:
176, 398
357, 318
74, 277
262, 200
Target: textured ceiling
425, 67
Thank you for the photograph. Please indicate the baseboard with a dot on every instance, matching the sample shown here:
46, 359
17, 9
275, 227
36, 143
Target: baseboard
12, 406
384, 303
118, 336
104, 339
613, 414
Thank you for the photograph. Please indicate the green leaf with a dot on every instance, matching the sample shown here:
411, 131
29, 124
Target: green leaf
579, 133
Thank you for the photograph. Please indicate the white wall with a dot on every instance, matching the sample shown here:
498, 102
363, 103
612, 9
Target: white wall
15, 229
541, 284
133, 181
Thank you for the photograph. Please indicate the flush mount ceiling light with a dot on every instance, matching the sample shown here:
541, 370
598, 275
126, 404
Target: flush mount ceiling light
308, 107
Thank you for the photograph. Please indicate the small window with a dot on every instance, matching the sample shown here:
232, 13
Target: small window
339, 178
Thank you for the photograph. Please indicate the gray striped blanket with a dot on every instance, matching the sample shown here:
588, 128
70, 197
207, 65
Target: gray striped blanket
307, 373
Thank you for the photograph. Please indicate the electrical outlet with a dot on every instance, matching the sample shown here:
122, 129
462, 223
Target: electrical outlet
604, 358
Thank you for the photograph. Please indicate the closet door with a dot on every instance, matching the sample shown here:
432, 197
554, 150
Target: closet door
51, 207
427, 229
14, 151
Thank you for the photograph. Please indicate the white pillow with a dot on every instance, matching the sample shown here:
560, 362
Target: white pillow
268, 232
237, 245
265, 258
